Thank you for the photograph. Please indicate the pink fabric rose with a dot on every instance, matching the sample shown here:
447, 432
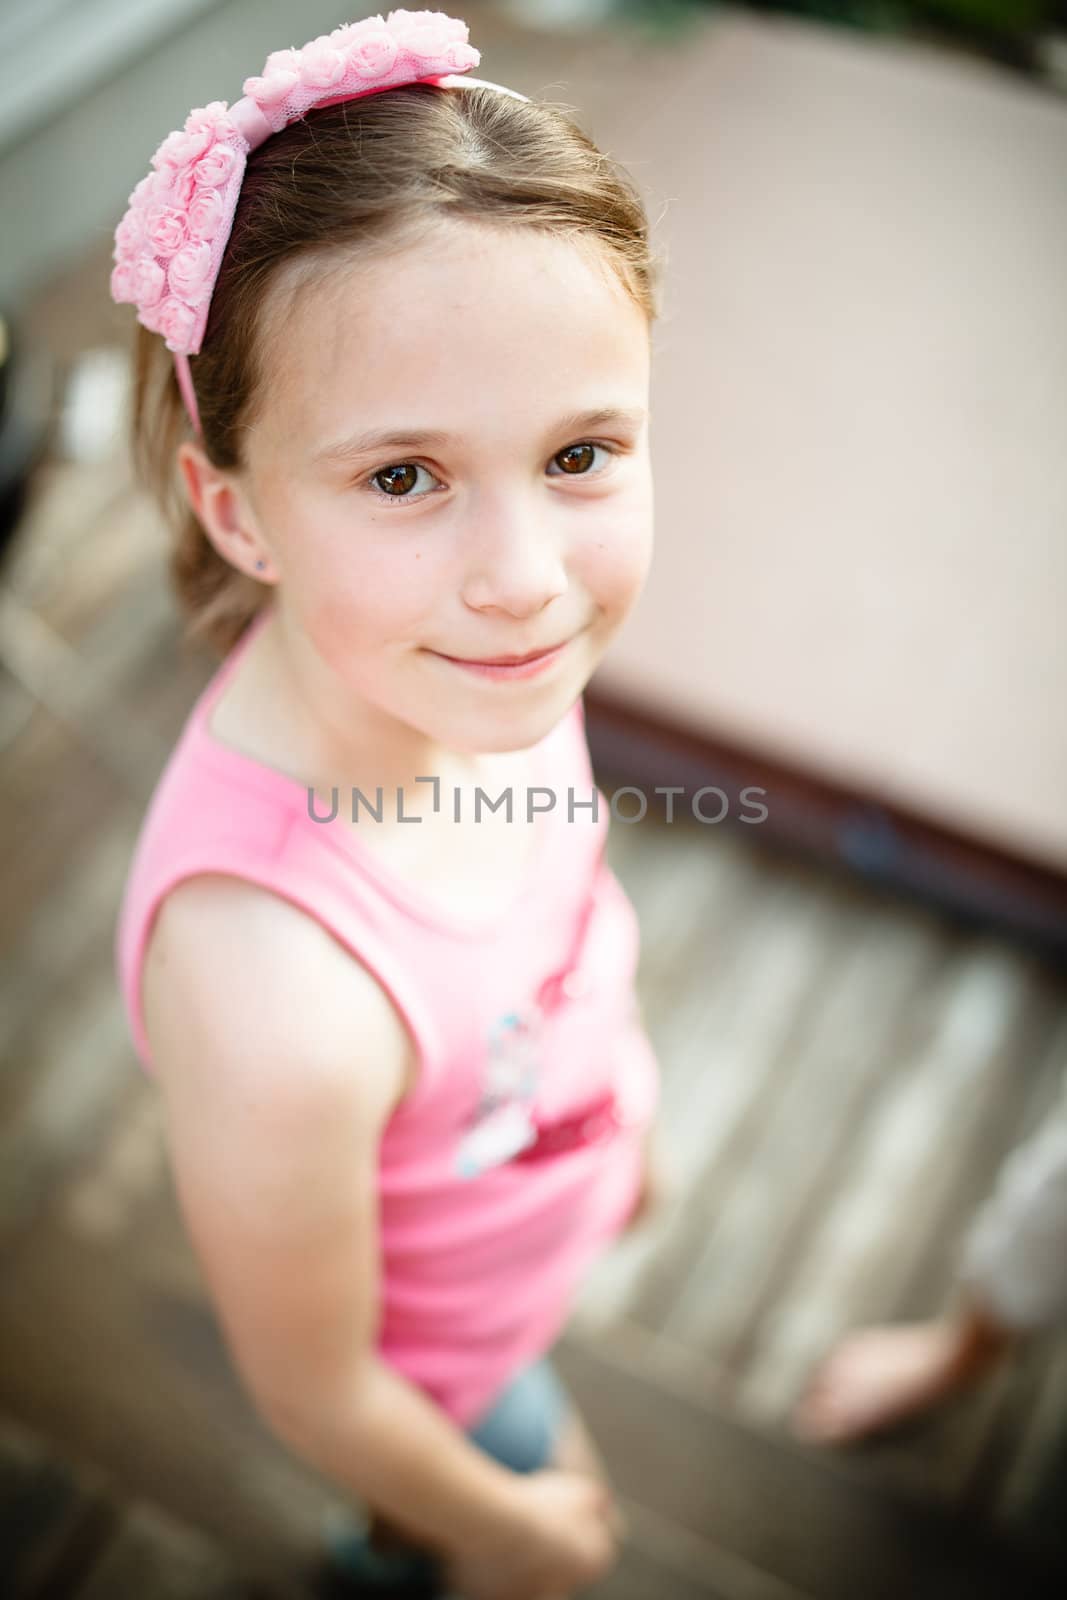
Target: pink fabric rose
403, 20
130, 233
188, 272
426, 32
183, 189
177, 149
429, 39
404, 23
204, 215
123, 285
346, 35
167, 245
141, 193
271, 89
321, 66
373, 55
165, 229
462, 56
176, 321
216, 167
148, 316
208, 124
282, 61
149, 281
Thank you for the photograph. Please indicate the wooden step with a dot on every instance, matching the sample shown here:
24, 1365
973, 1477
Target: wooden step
51, 1515
750, 1506
67, 1534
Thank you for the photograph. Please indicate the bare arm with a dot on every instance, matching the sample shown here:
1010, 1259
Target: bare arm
280, 1061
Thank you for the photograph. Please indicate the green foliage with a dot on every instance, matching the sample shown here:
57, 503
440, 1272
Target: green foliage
995, 16
989, 18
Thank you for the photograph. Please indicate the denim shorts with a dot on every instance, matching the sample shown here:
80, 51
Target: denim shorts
520, 1430
522, 1425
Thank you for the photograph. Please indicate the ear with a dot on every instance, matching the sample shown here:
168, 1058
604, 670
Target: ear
225, 512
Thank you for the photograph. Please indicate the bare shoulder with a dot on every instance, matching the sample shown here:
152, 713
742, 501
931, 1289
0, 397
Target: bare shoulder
280, 1059
237, 979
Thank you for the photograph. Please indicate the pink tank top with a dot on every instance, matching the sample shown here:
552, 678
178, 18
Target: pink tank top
516, 1156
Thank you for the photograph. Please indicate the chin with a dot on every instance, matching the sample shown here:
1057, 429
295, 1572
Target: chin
514, 726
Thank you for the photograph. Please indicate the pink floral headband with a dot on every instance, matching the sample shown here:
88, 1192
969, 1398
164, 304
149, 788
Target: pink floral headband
170, 243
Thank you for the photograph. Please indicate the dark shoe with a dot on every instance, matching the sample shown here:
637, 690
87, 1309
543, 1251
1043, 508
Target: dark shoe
351, 1568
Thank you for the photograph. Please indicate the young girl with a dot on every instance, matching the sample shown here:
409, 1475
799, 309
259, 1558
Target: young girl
369, 946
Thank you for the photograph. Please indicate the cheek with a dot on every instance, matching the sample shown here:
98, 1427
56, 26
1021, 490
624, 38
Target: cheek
615, 558
381, 592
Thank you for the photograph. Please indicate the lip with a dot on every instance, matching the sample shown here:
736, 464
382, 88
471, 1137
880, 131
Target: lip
507, 661
513, 667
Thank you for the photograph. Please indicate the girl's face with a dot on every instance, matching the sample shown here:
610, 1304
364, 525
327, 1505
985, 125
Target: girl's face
504, 514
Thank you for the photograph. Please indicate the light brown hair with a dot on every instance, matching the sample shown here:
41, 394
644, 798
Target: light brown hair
354, 181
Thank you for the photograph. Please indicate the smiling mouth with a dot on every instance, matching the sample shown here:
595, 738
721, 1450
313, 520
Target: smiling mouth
507, 661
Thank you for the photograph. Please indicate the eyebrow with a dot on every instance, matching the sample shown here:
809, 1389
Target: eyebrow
359, 444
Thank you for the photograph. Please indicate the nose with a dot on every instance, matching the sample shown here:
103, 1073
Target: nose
514, 561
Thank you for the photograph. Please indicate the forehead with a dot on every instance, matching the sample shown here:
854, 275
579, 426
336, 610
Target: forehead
473, 326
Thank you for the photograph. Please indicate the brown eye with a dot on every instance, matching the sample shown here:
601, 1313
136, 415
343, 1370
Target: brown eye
399, 478
573, 453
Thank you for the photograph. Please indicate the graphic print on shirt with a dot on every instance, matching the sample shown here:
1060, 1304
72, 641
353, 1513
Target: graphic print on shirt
502, 1125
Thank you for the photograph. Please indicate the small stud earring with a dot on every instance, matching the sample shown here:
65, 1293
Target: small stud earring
260, 565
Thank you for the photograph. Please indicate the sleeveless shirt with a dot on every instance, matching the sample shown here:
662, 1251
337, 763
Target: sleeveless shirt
516, 1156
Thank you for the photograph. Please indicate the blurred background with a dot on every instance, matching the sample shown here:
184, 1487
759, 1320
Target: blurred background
856, 606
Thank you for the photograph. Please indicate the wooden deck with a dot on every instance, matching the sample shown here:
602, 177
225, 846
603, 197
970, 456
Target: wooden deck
843, 1072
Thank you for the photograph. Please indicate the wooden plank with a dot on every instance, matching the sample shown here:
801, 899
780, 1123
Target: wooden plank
1030, 1494
660, 1558
57, 934
638, 1577
148, 1392
104, 1197
799, 1517
863, 1248
1034, 1083
70, 1073
965, 1450
859, 1269
71, 504
16, 707
729, 1051
52, 1514
56, 793
76, 694
833, 1070
153, 1556
124, 566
